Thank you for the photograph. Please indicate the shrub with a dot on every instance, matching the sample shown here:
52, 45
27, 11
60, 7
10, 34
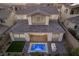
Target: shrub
75, 52
36, 53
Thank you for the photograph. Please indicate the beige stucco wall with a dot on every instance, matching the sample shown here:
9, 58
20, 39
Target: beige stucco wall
61, 37
27, 37
57, 36
21, 17
50, 36
54, 17
46, 20
64, 15
18, 36
29, 20
40, 21
11, 36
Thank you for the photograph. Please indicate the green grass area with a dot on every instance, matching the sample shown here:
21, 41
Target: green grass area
16, 46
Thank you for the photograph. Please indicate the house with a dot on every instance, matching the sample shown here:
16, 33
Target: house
69, 14
4, 14
74, 10
65, 11
6, 17
37, 24
73, 22
37, 21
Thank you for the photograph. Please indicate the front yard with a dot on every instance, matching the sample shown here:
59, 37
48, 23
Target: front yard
16, 46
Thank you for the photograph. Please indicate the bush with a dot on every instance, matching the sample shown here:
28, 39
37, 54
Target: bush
75, 52
36, 54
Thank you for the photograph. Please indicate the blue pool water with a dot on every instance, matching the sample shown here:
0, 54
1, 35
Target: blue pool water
38, 47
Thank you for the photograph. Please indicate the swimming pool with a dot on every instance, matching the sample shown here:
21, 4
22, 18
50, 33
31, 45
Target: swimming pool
38, 47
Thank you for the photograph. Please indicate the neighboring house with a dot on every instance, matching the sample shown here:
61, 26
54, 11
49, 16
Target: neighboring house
3, 16
72, 22
69, 10
65, 11
6, 19
69, 15
39, 24
74, 10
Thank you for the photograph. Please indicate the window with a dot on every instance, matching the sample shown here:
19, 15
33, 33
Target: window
16, 35
72, 12
75, 10
38, 20
66, 10
19, 35
22, 36
55, 35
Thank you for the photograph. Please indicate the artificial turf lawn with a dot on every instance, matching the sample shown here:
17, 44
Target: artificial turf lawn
16, 46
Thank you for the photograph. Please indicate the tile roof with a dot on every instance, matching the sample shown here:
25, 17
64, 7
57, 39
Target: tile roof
27, 10
3, 29
74, 6
22, 26
74, 19
4, 14
67, 4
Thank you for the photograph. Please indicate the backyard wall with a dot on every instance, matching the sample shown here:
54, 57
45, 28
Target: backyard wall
71, 40
21, 17
73, 43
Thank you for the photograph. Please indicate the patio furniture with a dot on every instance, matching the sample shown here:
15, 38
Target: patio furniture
53, 46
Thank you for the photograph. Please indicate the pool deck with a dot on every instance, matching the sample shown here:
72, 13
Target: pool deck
59, 45
60, 48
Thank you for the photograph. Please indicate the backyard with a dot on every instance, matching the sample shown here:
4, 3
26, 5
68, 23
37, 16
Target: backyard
16, 46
